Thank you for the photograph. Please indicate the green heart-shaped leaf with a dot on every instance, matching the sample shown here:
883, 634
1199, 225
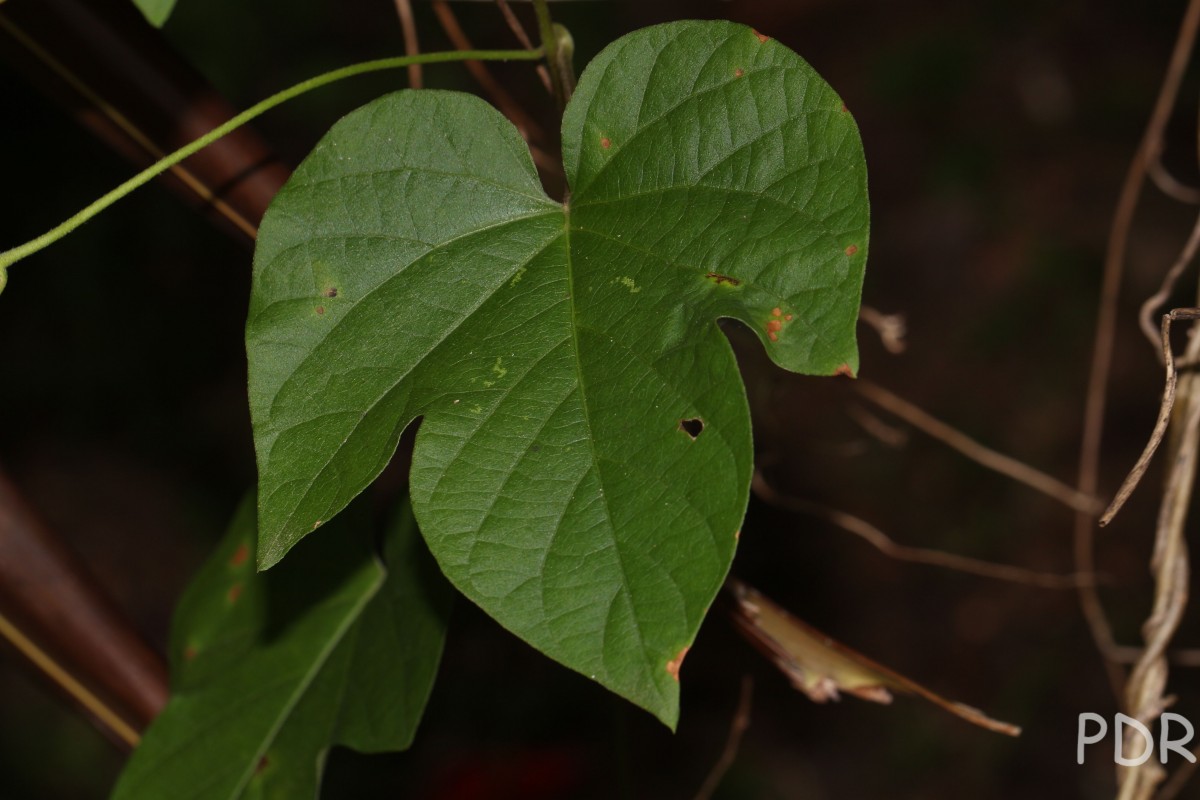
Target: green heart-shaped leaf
584, 460
269, 670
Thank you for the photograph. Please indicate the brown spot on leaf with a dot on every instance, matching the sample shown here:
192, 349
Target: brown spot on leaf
844, 370
190, 652
852, 249
675, 663
316, 525
330, 292
774, 326
263, 763
719, 279
775, 312
737, 534
788, 317
739, 72
844, 109
762, 37
692, 427
240, 555
320, 310
606, 142
773, 336
235, 592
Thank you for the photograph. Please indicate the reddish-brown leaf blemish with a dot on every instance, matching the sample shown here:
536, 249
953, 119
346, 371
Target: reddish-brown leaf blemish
263, 763
844, 109
774, 326
316, 525
320, 310
189, 652
606, 142
235, 592
762, 37
675, 663
239, 556
718, 279
844, 370
788, 317
737, 534
852, 249
775, 312
330, 292
739, 72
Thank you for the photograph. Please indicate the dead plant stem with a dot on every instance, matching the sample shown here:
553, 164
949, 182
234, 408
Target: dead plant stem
1094, 407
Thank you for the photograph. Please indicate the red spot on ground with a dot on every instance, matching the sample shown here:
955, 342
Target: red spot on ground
606, 142
844, 370
235, 592
675, 663
852, 249
762, 37
739, 72
320, 309
775, 312
239, 556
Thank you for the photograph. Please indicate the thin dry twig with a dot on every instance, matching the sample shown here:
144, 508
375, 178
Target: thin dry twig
518, 30
412, 46
1114, 261
737, 729
1155, 301
917, 555
888, 434
1147, 681
107, 716
985, 456
1164, 414
1183, 657
890, 327
509, 107
1171, 186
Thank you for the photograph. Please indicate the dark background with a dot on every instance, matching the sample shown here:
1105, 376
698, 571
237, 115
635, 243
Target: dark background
997, 134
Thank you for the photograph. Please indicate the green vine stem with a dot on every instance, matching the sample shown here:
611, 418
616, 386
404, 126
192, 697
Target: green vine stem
559, 47
12, 256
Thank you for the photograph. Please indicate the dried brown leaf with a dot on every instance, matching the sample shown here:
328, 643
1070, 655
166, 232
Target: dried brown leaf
824, 669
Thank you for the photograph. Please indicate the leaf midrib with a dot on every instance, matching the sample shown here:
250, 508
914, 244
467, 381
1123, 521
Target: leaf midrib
587, 421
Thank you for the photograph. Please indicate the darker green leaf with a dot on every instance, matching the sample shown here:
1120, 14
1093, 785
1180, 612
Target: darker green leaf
270, 670
584, 459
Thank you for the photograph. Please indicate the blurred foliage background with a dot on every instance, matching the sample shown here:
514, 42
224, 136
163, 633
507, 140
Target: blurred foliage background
997, 134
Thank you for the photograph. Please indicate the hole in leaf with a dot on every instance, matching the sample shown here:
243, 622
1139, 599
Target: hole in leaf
692, 427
